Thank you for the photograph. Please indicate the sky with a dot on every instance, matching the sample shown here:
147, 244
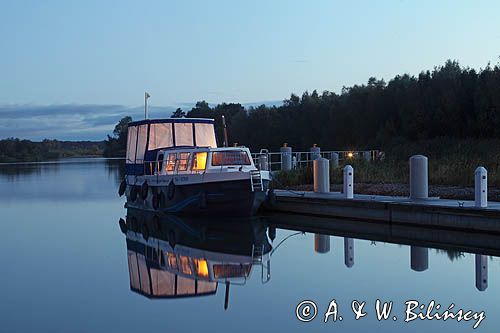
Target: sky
70, 69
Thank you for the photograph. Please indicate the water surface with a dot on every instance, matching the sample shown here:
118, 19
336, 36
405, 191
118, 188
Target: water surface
66, 267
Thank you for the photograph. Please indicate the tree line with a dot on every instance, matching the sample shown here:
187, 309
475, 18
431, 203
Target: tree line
449, 101
447, 104
16, 150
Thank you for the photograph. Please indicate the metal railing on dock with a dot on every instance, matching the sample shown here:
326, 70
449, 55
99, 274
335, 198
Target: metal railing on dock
286, 160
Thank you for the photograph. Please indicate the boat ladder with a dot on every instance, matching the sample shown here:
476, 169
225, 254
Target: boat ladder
256, 181
257, 259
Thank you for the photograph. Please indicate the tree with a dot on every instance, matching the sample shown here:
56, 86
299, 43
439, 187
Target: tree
178, 113
116, 145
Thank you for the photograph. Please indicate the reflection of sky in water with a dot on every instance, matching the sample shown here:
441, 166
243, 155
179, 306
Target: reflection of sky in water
64, 268
70, 181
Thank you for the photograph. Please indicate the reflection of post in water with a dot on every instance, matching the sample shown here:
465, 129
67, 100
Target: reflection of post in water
349, 252
321, 243
419, 258
481, 272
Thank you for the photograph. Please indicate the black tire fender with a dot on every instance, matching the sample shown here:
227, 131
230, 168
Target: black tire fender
171, 190
144, 190
123, 188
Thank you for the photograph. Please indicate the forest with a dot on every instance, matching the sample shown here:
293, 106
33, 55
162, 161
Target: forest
450, 101
16, 150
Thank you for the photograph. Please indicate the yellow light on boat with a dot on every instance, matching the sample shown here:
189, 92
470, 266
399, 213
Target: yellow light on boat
350, 155
202, 268
200, 161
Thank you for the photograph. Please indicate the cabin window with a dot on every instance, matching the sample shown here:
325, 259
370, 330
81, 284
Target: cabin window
229, 157
205, 135
185, 266
172, 261
183, 134
201, 267
183, 161
160, 136
199, 161
131, 144
142, 139
171, 162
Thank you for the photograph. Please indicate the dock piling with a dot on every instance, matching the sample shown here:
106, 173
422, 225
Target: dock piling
315, 152
335, 160
286, 157
367, 155
481, 187
419, 258
321, 243
348, 182
481, 272
419, 180
321, 175
263, 162
348, 252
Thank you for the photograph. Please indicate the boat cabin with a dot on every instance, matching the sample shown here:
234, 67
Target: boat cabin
146, 137
180, 146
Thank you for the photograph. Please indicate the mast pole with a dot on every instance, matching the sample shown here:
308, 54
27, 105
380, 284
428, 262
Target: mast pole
225, 131
146, 96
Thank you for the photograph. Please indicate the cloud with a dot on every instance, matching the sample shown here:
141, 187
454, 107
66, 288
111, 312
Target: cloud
68, 122
76, 121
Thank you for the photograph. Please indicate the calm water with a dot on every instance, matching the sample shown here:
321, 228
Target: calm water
65, 267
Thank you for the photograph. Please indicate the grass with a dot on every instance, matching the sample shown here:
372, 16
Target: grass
451, 162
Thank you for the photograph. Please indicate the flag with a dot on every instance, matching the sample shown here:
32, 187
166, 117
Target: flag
146, 95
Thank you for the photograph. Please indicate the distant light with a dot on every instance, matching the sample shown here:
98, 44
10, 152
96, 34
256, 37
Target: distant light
350, 155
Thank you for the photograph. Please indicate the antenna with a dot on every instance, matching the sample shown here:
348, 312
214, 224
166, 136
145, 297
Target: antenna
225, 131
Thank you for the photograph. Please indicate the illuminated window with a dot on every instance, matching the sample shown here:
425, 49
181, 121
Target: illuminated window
183, 161
171, 162
236, 157
201, 267
200, 161
185, 267
172, 261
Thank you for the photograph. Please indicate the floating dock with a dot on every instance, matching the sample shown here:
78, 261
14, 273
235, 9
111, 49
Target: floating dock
429, 213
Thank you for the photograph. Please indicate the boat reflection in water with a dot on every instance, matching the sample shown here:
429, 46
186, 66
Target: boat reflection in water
173, 257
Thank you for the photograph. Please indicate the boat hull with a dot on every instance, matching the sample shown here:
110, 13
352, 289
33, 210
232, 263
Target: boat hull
222, 198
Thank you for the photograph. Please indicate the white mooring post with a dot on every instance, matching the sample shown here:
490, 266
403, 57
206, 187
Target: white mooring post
335, 160
286, 157
321, 174
481, 187
367, 155
263, 162
315, 152
348, 182
419, 258
348, 252
321, 243
419, 181
481, 272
